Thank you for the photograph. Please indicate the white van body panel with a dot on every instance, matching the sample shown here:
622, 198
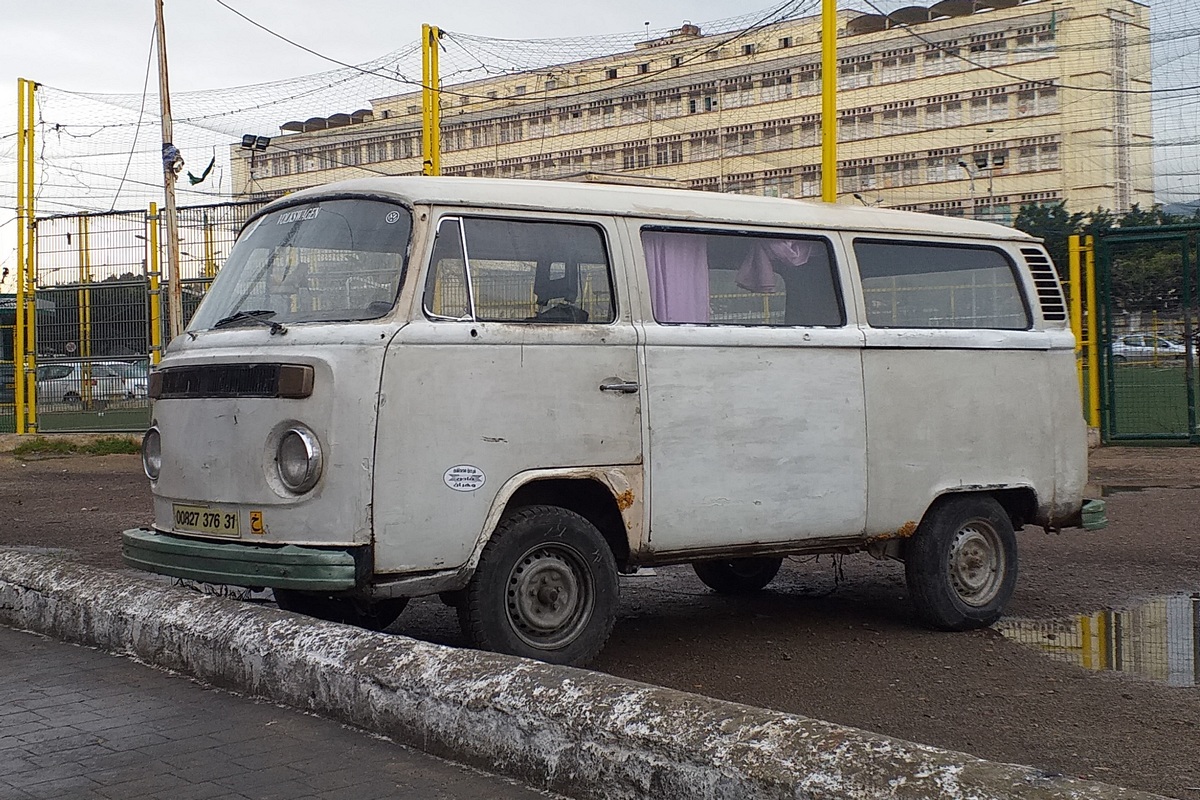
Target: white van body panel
746, 444
219, 448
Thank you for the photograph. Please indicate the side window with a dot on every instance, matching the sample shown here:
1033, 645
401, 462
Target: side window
718, 278
918, 285
53, 372
505, 270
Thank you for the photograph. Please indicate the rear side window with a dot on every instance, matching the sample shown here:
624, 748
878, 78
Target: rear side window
504, 270
918, 285
734, 278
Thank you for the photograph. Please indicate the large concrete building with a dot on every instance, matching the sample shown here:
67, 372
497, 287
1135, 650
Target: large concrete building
968, 107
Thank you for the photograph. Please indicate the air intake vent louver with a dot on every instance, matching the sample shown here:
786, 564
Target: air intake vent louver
1049, 291
223, 380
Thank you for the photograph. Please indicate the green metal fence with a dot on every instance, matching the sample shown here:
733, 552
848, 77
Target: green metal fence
96, 291
1148, 303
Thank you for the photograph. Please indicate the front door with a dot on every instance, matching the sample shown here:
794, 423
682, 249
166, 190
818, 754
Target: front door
522, 358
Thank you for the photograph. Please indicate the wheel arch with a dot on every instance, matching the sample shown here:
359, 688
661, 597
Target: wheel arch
610, 498
1019, 502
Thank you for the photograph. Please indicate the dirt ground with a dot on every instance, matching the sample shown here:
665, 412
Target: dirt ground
836, 640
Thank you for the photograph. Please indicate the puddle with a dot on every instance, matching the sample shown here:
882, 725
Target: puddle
1158, 640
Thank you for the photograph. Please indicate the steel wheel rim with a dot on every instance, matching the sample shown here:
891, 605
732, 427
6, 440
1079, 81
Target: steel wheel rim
977, 563
550, 595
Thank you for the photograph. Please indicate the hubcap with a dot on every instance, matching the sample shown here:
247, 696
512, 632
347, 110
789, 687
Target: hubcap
550, 596
977, 564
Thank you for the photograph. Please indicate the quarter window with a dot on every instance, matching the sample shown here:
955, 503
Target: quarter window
719, 278
917, 285
518, 271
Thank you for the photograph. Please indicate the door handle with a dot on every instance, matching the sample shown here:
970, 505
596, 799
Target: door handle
617, 385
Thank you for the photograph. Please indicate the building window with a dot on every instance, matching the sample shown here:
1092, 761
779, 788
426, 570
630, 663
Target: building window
519, 90
748, 49
610, 73
779, 186
785, 42
643, 69
668, 153
776, 88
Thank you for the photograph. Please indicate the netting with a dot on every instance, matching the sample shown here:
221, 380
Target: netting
102, 151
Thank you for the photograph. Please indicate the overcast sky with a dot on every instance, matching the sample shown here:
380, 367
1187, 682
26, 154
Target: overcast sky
102, 45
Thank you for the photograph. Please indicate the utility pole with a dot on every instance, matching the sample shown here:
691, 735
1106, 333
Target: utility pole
172, 161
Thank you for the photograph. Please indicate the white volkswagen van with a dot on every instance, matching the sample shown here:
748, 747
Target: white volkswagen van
508, 392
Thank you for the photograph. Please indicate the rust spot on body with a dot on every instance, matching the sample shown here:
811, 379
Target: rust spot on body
905, 531
625, 499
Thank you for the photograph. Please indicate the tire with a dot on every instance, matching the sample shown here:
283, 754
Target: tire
1118, 359
72, 397
961, 565
545, 588
372, 615
737, 575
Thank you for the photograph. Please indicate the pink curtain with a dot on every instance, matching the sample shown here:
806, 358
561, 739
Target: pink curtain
677, 264
757, 273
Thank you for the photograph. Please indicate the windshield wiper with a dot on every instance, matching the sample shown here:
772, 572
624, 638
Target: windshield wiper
257, 316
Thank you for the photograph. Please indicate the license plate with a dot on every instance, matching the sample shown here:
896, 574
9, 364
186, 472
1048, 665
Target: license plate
202, 519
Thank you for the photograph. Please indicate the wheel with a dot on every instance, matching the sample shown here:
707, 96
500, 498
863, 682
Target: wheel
372, 615
72, 397
545, 588
1118, 359
737, 575
961, 565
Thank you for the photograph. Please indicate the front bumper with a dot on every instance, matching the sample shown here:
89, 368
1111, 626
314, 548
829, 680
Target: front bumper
207, 561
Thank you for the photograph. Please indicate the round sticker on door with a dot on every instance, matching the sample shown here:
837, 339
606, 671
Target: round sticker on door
464, 478
392, 218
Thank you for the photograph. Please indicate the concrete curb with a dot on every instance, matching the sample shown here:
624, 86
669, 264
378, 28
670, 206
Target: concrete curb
579, 733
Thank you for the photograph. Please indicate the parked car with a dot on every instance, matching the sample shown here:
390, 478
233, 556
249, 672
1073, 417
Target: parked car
76, 381
135, 373
1145, 347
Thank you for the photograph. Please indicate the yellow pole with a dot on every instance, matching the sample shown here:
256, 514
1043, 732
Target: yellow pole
1073, 281
154, 274
210, 252
25, 340
1093, 338
85, 311
829, 101
1085, 637
431, 102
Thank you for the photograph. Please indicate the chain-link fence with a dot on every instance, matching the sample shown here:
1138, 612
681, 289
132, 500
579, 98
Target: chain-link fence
101, 315
1149, 304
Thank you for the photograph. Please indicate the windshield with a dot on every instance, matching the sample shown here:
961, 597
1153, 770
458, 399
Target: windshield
328, 260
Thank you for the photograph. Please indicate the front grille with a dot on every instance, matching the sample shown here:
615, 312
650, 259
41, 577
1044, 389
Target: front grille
1045, 279
233, 380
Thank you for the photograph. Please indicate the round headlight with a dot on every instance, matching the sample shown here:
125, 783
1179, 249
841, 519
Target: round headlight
299, 459
152, 453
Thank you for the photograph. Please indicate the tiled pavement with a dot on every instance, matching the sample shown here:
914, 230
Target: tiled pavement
78, 723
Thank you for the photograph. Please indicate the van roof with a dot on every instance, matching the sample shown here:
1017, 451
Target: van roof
660, 203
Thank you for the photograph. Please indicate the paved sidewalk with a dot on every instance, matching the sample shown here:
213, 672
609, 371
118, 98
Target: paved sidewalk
78, 723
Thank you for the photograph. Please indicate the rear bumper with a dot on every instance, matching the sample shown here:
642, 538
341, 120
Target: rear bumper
1093, 517
236, 564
